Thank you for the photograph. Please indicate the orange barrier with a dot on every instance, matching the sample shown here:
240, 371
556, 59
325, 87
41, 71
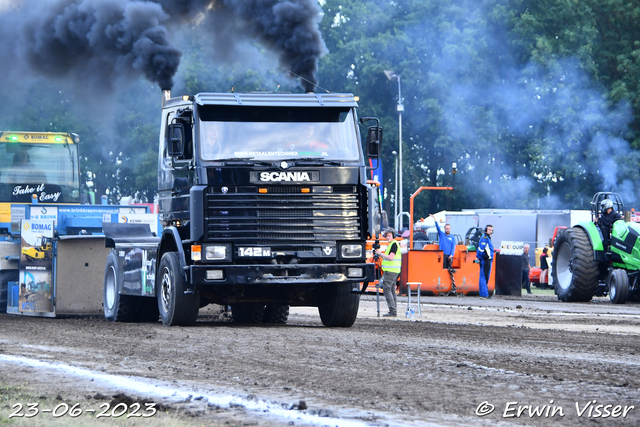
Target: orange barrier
425, 266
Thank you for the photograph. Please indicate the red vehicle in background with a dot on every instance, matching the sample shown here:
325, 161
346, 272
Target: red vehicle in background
535, 272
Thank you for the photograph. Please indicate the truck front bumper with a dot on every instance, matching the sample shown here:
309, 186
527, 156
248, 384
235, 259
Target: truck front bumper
282, 274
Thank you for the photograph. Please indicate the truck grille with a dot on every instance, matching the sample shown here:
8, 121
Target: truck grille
283, 218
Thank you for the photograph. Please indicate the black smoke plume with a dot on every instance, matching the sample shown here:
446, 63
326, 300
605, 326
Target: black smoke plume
96, 40
104, 40
288, 27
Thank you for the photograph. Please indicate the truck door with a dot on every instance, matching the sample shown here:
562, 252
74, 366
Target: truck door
175, 173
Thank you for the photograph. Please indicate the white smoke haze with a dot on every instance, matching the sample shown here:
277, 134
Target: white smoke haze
490, 110
8, 4
96, 49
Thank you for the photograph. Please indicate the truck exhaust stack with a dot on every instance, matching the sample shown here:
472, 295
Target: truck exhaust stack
166, 95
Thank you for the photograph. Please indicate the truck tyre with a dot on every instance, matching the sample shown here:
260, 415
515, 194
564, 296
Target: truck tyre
340, 309
618, 286
275, 314
117, 308
575, 270
248, 312
176, 307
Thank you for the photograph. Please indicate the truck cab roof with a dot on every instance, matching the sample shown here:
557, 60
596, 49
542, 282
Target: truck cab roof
270, 99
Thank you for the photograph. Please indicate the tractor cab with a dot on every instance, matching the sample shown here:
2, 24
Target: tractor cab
472, 238
615, 198
596, 212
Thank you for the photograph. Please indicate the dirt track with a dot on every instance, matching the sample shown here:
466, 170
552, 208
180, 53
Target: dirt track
437, 370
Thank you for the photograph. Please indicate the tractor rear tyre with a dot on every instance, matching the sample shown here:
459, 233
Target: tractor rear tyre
340, 308
575, 270
176, 307
618, 286
117, 308
275, 314
248, 312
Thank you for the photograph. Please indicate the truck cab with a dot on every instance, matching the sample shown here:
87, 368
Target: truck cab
265, 204
44, 164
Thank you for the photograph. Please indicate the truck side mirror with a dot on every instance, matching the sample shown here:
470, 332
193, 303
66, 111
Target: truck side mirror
176, 140
374, 142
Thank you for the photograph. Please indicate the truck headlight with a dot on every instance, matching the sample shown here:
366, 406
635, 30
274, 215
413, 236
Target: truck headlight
215, 253
351, 251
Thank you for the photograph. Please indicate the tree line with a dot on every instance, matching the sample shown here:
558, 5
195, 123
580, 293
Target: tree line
537, 102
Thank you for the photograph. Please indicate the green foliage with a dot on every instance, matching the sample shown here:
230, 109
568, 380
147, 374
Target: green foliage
516, 93
536, 101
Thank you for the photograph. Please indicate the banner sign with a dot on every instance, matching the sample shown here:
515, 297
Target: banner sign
44, 212
36, 279
511, 248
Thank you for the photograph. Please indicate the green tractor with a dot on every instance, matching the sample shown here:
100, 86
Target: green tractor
583, 267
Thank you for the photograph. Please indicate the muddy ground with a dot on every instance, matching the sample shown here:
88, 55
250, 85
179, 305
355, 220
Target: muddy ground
465, 362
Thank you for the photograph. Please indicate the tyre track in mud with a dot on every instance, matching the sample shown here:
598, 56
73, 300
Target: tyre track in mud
419, 370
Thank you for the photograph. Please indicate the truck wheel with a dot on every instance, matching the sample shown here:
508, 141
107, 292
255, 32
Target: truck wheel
275, 314
575, 270
340, 309
117, 308
618, 286
176, 307
248, 312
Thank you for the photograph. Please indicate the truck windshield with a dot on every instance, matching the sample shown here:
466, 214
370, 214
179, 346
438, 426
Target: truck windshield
272, 133
48, 170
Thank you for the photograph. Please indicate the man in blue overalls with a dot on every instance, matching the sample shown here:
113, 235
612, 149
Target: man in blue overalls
484, 256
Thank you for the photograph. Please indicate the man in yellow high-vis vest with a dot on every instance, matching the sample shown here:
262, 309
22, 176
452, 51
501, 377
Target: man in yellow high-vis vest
391, 263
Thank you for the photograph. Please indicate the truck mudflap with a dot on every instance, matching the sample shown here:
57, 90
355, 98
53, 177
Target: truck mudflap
281, 274
136, 249
128, 234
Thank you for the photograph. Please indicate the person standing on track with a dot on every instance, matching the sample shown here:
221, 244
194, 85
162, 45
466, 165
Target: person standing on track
544, 266
391, 264
484, 257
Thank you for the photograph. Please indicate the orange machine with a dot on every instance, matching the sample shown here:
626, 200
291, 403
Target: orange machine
425, 266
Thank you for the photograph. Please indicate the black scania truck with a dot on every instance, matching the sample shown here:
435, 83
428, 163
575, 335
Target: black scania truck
264, 203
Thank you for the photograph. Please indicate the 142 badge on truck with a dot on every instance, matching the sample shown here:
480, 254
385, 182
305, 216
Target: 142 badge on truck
254, 252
